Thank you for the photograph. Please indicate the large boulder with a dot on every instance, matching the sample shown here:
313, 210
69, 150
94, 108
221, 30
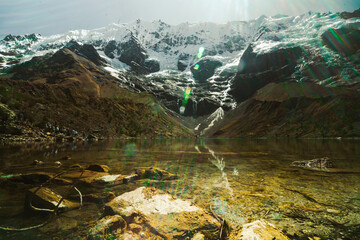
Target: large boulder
344, 40
153, 213
205, 68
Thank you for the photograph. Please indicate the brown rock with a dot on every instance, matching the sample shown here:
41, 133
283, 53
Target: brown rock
98, 168
130, 178
99, 198
46, 198
165, 216
136, 228
261, 229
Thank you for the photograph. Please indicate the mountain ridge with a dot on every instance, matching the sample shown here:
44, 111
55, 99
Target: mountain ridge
222, 66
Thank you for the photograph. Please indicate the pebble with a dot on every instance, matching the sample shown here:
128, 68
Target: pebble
332, 211
37, 162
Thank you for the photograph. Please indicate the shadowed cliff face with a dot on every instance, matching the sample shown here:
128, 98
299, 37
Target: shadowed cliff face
293, 109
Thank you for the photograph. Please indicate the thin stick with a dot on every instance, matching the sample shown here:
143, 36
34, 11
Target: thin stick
80, 195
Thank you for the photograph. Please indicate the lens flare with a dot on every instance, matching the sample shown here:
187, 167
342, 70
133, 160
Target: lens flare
201, 52
187, 94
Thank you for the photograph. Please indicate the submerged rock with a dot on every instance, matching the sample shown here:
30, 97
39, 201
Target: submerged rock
318, 163
98, 168
106, 227
261, 230
165, 216
154, 173
47, 199
86, 176
36, 178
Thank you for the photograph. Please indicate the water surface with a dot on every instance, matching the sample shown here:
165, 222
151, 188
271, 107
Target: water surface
240, 180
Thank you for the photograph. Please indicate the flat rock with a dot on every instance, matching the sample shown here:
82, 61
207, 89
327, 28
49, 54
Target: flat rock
261, 230
164, 216
111, 179
46, 198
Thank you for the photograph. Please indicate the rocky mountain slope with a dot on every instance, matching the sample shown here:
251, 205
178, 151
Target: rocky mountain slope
70, 95
291, 109
203, 73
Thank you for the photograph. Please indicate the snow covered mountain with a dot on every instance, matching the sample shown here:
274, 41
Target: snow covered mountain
223, 64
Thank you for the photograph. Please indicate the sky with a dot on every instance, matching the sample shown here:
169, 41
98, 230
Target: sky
49, 17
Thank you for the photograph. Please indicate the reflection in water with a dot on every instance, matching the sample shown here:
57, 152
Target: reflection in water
241, 180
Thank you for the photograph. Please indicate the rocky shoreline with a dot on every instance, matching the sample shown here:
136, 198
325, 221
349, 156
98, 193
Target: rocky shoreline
143, 213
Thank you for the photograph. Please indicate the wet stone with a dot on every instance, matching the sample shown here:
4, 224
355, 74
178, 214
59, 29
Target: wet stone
87, 177
318, 163
110, 179
164, 215
98, 168
154, 173
47, 199
60, 224
130, 178
37, 178
99, 197
107, 227
261, 229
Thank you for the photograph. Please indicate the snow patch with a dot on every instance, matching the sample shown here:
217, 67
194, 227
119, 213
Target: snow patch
215, 116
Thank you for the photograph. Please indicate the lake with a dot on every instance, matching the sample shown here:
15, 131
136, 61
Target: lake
240, 180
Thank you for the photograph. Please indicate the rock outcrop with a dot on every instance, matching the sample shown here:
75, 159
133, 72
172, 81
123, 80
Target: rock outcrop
205, 68
132, 53
344, 40
87, 51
